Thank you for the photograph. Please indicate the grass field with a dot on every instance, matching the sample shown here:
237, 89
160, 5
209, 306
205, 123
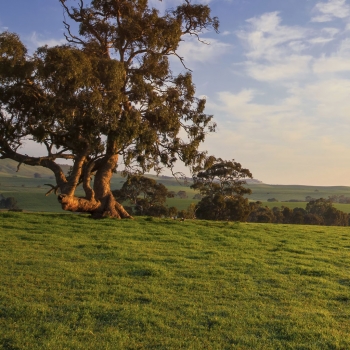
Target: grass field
30, 192
69, 282
263, 192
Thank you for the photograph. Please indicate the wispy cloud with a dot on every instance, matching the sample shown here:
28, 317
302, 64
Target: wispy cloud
38, 40
274, 51
196, 51
339, 61
291, 68
325, 36
266, 38
330, 10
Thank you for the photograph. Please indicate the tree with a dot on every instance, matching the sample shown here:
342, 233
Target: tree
313, 219
221, 183
287, 215
318, 206
182, 194
330, 215
335, 217
8, 203
261, 214
278, 214
189, 213
108, 96
145, 194
298, 216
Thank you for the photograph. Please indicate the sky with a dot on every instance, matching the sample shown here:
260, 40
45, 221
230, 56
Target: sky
276, 78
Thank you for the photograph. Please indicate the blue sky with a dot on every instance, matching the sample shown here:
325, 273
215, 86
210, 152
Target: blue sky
276, 78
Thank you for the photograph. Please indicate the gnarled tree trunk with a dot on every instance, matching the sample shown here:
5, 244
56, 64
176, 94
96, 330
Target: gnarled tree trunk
99, 200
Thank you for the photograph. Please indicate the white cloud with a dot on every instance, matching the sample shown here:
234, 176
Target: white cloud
337, 62
274, 50
291, 68
331, 65
266, 37
327, 35
328, 11
163, 5
195, 51
38, 40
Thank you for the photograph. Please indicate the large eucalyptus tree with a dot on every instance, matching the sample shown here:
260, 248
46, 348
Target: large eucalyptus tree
106, 97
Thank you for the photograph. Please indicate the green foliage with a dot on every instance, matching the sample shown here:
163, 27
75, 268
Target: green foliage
221, 176
8, 202
112, 80
145, 194
318, 206
189, 213
262, 214
68, 282
221, 183
317, 212
330, 215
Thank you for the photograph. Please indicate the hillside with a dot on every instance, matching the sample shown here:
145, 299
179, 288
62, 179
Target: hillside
30, 191
8, 167
69, 282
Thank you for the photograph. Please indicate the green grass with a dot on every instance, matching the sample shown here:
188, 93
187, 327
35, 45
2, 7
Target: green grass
263, 192
69, 282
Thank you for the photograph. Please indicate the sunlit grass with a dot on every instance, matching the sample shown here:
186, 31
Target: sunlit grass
69, 282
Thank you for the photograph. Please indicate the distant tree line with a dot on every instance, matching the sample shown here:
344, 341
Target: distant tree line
317, 212
222, 194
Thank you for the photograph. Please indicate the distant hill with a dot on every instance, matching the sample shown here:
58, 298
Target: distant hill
8, 167
253, 181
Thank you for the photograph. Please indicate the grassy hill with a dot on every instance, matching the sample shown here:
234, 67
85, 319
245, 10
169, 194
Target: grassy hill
8, 167
30, 191
69, 282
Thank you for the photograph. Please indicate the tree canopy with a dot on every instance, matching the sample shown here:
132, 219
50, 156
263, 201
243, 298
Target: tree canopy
145, 194
221, 183
106, 97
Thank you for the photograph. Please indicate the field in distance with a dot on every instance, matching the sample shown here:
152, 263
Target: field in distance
28, 187
70, 282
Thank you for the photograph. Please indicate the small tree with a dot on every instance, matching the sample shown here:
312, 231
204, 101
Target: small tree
145, 194
172, 211
189, 213
8, 203
261, 214
182, 194
221, 183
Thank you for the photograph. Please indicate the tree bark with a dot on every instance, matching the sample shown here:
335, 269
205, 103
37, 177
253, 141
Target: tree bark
99, 200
